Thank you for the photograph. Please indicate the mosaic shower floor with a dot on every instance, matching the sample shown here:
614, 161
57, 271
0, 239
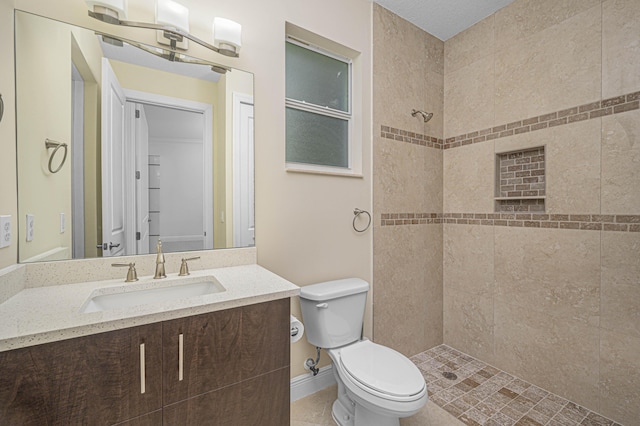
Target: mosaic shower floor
479, 395
484, 395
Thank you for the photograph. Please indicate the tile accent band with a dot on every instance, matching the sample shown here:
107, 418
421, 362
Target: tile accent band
589, 222
410, 137
615, 105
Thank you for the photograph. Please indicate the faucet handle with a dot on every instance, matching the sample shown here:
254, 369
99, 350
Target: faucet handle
184, 268
132, 275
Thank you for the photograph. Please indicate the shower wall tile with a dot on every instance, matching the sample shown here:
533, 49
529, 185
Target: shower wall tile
468, 259
552, 272
469, 324
621, 163
407, 299
435, 54
557, 354
620, 47
434, 103
433, 291
553, 69
401, 166
468, 176
573, 167
470, 45
621, 284
468, 94
620, 377
522, 19
399, 49
407, 290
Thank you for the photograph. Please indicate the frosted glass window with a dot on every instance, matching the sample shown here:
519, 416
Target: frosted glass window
315, 78
318, 102
317, 139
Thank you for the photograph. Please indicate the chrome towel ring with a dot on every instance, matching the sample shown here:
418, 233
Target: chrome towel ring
357, 212
1, 107
48, 143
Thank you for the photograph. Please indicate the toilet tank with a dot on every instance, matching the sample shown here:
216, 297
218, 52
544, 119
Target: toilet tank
333, 311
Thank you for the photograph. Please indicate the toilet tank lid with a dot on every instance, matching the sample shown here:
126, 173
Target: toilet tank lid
333, 289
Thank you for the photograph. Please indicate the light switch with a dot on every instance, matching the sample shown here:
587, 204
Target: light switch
62, 222
5, 231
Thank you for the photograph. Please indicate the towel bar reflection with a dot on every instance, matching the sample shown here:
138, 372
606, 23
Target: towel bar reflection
357, 212
48, 143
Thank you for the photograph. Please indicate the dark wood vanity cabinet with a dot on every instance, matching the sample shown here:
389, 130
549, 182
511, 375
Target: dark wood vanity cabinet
235, 367
228, 367
92, 377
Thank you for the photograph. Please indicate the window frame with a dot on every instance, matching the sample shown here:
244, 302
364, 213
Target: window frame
347, 116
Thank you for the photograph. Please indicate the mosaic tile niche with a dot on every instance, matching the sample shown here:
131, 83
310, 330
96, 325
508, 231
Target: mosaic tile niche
520, 181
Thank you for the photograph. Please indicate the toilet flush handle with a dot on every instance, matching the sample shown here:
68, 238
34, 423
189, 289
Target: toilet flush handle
322, 305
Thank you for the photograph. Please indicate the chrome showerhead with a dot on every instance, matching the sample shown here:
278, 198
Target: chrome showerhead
426, 116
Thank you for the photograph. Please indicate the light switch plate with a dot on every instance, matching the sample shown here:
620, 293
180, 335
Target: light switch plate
62, 223
5, 231
30, 225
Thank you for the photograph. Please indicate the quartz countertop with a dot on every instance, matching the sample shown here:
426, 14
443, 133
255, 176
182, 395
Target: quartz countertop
47, 314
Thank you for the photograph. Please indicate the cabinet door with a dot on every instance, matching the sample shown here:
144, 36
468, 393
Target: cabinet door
265, 337
208, 357
88, 380
260, 401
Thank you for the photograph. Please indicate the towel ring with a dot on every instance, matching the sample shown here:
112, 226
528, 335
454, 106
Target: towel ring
357, 212
1, 107
56, 146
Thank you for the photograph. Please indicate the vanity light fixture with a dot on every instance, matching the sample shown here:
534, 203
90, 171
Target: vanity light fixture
169, 55
172, 21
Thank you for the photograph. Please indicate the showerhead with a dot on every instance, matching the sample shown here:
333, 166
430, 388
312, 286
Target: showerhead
426, 116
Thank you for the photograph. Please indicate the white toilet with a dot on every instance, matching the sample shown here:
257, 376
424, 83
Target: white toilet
376, 385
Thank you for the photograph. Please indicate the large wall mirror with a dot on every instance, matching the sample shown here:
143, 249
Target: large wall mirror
118, 148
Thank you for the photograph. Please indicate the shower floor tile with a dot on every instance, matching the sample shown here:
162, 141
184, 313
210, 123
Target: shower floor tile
479, 394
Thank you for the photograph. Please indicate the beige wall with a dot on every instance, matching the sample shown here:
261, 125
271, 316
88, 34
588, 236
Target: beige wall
44, 112
557, 307
407, 182
8, 195
303, 221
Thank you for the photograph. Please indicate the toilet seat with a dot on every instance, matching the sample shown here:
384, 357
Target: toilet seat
382, 371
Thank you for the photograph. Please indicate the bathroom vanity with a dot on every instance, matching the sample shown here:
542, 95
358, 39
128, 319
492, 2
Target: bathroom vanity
218, 359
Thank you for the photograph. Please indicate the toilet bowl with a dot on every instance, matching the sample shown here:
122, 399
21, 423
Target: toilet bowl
385, 383
376, 385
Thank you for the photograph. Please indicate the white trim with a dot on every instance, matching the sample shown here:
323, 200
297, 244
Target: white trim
308, 384
77, 174
237, 100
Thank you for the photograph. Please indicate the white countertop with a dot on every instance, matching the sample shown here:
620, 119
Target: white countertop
47, 314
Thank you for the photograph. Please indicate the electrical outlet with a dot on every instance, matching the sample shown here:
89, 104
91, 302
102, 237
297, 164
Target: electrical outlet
5, 231
30, 220
62, 223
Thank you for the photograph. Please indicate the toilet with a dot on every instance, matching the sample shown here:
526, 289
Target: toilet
376, 384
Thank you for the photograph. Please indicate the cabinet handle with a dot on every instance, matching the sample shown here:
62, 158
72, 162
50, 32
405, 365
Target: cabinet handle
180, 357
142, 369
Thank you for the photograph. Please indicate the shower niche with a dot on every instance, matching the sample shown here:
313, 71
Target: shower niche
520, 181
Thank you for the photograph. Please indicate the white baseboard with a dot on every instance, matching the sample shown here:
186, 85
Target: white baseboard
308, 384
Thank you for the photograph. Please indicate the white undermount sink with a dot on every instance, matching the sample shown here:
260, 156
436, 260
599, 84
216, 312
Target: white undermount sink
131, 295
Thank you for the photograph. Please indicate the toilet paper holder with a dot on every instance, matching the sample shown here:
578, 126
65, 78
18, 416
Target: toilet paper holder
296, 329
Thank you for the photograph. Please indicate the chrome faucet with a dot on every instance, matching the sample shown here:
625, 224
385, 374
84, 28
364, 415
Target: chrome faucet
160, 273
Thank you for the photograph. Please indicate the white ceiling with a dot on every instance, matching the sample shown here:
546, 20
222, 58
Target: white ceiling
443, 18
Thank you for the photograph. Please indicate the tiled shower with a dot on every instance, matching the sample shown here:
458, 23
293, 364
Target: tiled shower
544, 286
